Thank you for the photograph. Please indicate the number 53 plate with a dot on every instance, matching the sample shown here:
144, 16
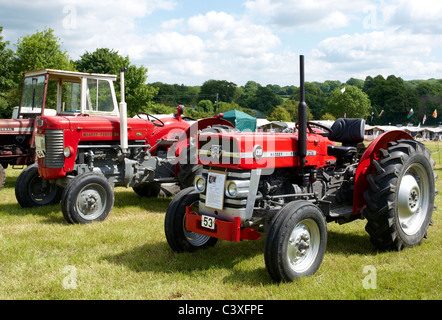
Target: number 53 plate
208, 222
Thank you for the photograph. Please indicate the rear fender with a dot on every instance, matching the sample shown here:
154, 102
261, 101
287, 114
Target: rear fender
365, 166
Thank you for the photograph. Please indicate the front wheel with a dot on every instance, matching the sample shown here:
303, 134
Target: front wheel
87, 198
32, 191
2, 177
178, 237
296, 242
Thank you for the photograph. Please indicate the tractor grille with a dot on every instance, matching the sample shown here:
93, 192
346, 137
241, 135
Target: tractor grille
54, 144
219, 151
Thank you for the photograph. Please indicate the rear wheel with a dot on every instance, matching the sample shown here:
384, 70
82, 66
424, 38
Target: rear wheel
400, 200
178, 237
296, 242
2, 177
32, 191
87, 198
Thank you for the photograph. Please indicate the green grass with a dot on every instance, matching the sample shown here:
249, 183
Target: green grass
127, 257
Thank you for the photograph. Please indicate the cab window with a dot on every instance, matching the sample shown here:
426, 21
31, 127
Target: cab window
99, 96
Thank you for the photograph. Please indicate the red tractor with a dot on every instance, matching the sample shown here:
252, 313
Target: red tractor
291, 185
17, 134
83, 154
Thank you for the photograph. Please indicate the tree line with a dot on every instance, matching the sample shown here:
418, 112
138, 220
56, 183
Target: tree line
377, 99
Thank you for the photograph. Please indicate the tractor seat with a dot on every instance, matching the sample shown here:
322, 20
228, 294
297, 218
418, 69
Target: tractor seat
348, 131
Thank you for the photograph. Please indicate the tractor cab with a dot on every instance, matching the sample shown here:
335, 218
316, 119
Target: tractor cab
70, 93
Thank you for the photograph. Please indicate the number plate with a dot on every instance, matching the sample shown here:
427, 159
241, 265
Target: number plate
208, 222
40, 146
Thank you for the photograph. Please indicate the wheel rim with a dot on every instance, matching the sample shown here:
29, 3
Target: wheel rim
303, 245
91, 201
413, 199
195, 239
40, 191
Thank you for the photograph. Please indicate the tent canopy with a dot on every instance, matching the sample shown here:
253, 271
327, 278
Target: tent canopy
242, 121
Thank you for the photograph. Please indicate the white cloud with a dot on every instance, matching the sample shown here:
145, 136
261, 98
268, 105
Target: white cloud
172, 24
316, 14
224, 34
390, 51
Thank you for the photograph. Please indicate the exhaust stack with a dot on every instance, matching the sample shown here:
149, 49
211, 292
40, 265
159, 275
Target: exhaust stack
124, 144
302, 117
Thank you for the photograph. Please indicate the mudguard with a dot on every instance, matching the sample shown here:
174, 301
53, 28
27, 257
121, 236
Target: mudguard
365, 165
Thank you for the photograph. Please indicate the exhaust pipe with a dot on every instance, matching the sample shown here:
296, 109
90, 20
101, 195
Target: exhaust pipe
124, 144
302, 117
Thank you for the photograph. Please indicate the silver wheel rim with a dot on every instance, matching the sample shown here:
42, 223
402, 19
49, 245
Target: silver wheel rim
303, 245
195, 239
91, 201
413, 199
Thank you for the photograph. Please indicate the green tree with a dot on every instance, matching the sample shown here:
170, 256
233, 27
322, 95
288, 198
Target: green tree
6, 78
41, 50
265, 100
352, 103
314, 97
224, 89
279, 114
138, 94
292, 107
205, 106
392, 96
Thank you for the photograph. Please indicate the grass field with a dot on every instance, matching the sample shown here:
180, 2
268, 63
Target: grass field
127, 257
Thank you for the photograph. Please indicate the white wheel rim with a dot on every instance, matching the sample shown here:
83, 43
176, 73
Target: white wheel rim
91, 201
303, 245
413, 199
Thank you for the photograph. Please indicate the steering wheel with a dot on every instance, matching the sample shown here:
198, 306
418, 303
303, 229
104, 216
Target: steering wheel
327, 129
160, 124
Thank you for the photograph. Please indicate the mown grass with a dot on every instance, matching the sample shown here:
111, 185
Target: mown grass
127, 257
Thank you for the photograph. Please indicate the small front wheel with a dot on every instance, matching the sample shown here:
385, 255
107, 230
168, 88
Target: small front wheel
296, 242
178, 237
87, 198
32, 191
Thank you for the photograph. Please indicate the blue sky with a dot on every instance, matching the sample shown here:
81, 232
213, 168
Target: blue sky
191, 41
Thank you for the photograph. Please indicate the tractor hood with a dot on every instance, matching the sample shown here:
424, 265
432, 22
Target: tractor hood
108, 128
16, 126
263, 150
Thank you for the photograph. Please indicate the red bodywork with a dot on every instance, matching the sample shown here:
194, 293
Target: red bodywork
9, 129
279, 150
84, 129
107, 129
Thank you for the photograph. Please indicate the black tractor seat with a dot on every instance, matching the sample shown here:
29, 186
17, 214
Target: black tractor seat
349, 132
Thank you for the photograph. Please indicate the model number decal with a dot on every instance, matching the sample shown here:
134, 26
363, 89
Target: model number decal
100, 134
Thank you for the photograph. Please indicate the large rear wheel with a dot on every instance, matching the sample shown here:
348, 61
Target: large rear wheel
400, 200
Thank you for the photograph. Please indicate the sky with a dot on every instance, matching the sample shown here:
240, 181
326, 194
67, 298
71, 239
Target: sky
191, 41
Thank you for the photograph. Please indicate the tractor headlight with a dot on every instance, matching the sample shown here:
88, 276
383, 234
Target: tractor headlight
67, 151
200, 183
231, 189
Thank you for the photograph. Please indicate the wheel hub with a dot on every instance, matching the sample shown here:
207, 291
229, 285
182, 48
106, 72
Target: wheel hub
408, 197
90, 202
412, 199
302, 246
